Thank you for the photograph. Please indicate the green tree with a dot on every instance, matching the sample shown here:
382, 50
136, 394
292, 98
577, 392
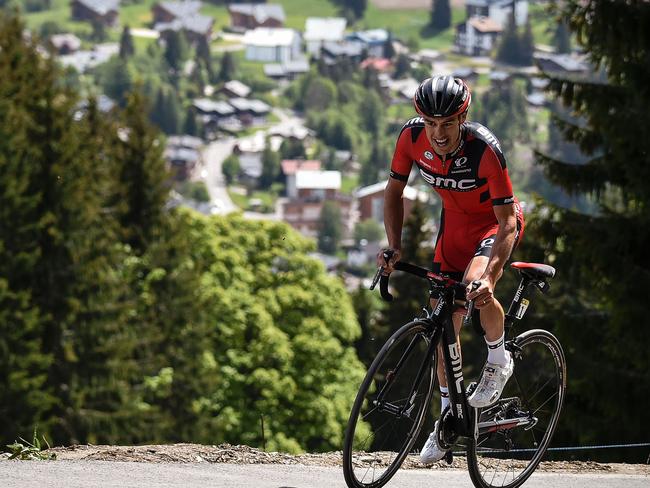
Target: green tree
115, 78
375, 163
99, 31
590, 250
228, 68
292, 149
176, 49
270, 166
508, 49
371, 110
440, 15
127, 49
191, 126
562, 38
402, 66
320, 94
527, 45
230, 168
144, 180
330, 227
370, 230
368, 307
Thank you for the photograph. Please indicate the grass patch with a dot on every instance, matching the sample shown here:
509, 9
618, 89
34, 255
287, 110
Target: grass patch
542, 23
61, 13
349, 183
267, 199
297, 11
137, 15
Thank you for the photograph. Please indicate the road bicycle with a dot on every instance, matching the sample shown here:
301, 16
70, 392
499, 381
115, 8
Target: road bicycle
504, 442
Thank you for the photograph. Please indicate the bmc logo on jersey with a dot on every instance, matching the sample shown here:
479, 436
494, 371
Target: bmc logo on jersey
449, 183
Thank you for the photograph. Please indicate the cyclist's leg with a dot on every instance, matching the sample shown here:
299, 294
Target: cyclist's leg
492, 315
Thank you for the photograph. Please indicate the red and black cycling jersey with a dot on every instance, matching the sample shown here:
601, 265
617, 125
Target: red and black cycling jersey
470, 180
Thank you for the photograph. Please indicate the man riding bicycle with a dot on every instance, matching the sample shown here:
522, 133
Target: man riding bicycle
480, 224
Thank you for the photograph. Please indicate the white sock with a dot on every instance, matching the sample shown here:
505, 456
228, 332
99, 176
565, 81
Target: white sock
444, 398
497, 351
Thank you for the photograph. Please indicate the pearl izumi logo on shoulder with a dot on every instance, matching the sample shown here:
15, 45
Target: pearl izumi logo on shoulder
447, 183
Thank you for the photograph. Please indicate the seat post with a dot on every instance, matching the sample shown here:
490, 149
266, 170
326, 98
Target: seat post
520, 301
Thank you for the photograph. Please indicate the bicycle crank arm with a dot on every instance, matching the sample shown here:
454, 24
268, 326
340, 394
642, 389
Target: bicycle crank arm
506, 424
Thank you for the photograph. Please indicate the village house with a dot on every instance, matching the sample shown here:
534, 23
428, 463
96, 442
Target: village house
183, 17
333, 52
498, 10
272, 45
373, 41
165, 12
289, 168
307, 194
246, 16
321, 30
286, 71
235, 88
370, 200
183, 155
84, 60
65, 43
477, 36
102, 11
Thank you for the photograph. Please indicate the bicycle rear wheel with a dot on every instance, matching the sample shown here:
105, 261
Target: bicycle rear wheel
390, 407
514, 433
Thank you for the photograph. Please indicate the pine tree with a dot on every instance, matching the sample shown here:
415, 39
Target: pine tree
602, 257
176, 49
330, 227
127, 49
58, 275
508, 50
270, 167
527, 45
562, 38
143, 175
190, 127
440, 15
228, 67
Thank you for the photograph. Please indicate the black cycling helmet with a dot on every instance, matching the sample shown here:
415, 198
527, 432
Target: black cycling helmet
442, 96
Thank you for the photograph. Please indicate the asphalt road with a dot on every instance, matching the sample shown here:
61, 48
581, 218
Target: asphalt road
107, 474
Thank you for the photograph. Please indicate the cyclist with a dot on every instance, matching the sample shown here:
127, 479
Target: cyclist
480, 224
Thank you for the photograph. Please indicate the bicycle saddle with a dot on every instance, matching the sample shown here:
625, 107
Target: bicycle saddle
534, 270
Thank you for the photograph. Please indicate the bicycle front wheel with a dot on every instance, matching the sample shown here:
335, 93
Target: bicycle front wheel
513, 434
390, 407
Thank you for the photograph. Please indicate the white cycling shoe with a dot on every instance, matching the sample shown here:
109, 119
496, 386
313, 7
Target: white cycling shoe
493, 381
432, 452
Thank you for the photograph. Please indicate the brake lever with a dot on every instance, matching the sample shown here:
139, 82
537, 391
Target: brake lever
375, 280
470, 306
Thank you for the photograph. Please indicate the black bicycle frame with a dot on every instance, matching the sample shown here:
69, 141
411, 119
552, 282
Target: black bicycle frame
441, 321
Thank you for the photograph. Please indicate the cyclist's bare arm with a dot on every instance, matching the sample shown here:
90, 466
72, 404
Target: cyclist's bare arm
393, 221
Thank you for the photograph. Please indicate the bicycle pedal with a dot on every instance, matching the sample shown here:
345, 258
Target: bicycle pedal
470, 388
449, 457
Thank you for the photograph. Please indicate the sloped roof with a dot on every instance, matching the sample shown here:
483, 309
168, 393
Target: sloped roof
261, 12
181, 9
291, 166
372, 36
207, 105
409, 193
102, 7
237, 87
200, 24
318, 180
269, 37
324, 28
485, 24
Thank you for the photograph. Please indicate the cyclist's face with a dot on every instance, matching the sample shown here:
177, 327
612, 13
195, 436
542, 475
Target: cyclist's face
443, 132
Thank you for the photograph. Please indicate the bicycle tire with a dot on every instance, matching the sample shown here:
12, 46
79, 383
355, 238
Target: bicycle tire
506, 456
369, 460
